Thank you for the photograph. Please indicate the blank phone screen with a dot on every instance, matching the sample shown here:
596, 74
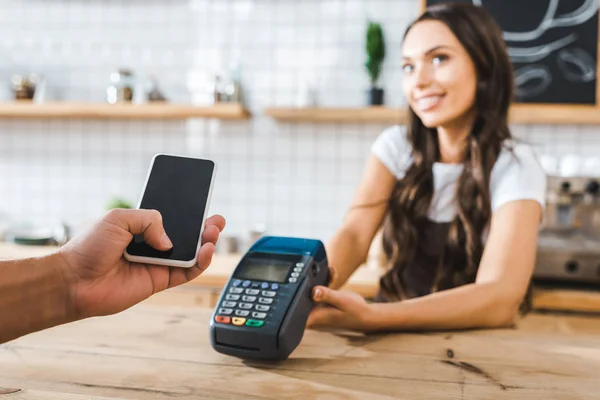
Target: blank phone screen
178, 187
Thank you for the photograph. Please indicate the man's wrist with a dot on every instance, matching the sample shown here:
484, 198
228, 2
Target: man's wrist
56, 263
35, 296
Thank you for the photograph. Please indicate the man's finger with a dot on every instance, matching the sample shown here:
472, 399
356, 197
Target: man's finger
204, 258
210, 235
216, 220
142, 222
179, 276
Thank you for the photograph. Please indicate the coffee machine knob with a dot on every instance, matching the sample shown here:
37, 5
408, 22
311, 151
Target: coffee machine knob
571, 266
592, 187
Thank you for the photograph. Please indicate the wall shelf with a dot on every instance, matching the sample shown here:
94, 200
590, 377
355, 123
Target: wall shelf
559, 114
339, 115
25, 109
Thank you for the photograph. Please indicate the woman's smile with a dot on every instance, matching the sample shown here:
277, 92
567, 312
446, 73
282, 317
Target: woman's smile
428, 102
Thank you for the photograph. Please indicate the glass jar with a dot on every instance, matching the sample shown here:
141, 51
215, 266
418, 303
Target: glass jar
121, 88
23, 87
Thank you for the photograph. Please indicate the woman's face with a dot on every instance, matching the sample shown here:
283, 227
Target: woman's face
439, 76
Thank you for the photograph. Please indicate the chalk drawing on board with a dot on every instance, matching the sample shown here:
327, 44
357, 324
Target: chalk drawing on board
586, 11
536, 53
577, 58
532, 80
553, 52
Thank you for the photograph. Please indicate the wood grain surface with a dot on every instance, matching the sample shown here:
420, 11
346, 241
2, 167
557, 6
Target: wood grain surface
152, 352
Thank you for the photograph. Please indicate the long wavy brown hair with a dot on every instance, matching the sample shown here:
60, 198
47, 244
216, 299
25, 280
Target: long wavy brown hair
411, 198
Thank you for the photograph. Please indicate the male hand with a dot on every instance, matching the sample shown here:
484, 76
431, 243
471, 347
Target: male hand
102, 282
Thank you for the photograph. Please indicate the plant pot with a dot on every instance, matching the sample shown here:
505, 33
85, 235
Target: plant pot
375, 97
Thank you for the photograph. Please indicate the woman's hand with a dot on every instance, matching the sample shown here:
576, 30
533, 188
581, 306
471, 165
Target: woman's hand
342, 309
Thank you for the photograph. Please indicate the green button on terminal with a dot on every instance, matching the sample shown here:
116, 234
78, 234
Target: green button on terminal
254, 323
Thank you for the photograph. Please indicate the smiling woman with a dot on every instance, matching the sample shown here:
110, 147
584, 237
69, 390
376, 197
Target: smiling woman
440, 80
459, 200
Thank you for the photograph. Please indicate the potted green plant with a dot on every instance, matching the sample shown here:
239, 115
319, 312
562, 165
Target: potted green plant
375, 46
118, 202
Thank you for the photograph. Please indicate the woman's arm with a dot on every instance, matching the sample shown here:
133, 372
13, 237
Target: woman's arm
349, 246
492, 301
502, 280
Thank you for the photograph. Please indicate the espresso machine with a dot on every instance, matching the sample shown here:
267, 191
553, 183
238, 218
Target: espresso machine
569, 239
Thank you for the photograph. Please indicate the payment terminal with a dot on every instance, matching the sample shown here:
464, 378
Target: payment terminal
263, 309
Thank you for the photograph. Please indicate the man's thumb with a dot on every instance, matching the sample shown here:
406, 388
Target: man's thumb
147, 223
155, 234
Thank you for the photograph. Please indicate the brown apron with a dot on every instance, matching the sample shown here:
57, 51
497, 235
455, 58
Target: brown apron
418, 277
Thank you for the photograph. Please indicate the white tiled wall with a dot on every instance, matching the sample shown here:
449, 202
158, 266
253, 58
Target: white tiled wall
296, 178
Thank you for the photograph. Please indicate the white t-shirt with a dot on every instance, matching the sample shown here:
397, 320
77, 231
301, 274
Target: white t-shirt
516, 175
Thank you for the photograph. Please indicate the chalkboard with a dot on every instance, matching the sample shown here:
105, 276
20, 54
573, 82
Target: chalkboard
553, 45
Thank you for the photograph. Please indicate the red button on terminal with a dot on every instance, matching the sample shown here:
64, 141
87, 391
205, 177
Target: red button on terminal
223, 320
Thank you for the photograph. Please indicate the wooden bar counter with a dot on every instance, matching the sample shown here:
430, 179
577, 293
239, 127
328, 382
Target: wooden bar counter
161, 349
204, 291
157, 352
207, 286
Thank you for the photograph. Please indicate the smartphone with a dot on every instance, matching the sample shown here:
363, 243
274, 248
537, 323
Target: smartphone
179, 188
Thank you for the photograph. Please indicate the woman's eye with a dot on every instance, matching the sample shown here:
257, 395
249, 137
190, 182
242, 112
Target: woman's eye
406, 68
439, 59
